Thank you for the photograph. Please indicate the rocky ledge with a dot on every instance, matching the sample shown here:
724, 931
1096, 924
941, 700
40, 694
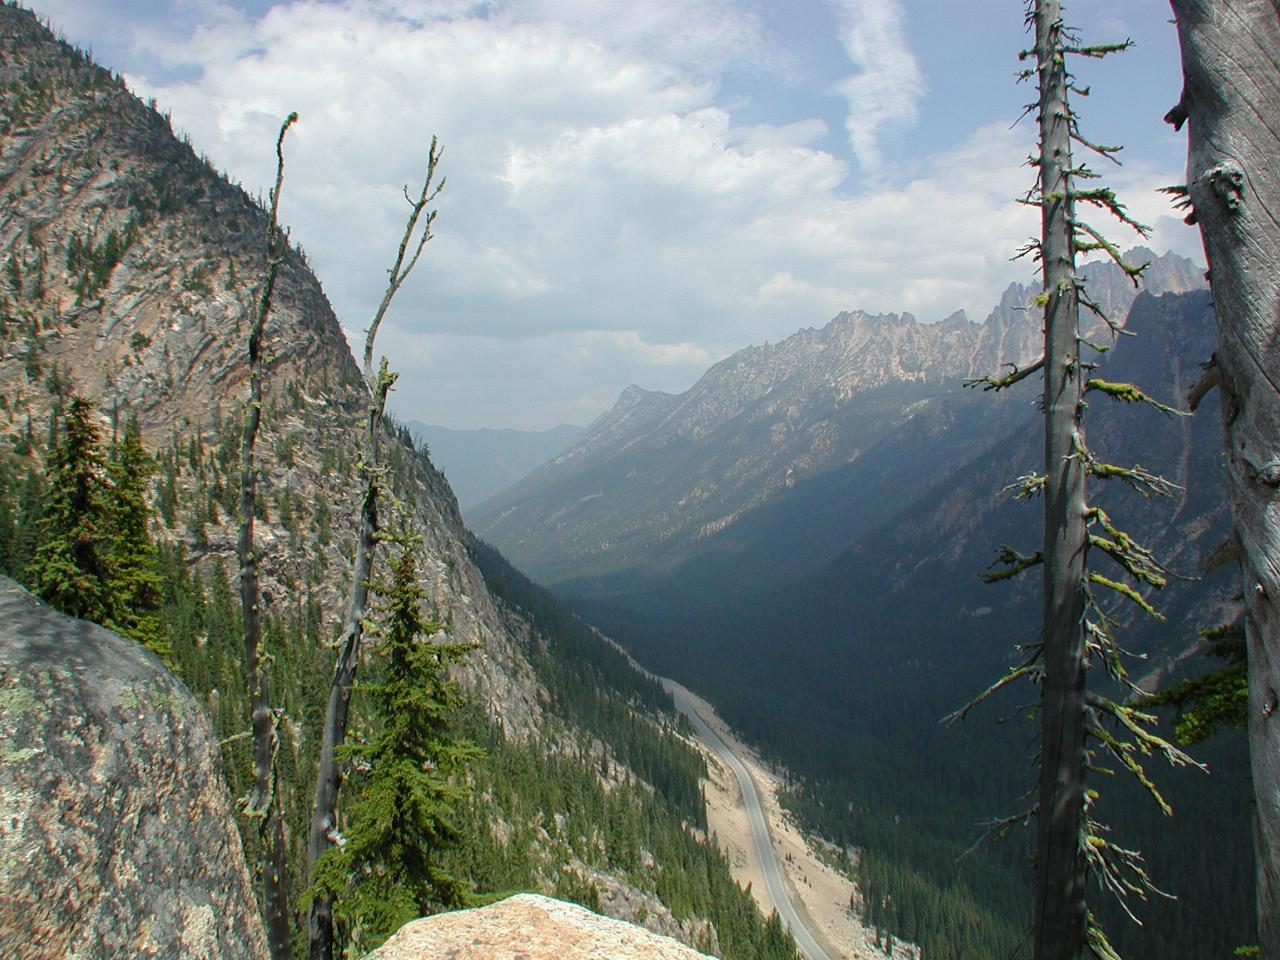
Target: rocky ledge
529, 927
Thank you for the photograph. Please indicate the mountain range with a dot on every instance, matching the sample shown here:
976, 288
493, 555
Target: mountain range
660, 477
799, 538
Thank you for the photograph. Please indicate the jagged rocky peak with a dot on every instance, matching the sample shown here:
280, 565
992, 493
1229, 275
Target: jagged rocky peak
669, 470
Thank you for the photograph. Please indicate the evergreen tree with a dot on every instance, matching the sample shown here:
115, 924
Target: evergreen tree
70, 567
134, 562
388, 871
1216, 700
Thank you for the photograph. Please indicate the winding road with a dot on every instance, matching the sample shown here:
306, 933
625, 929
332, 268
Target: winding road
765, 853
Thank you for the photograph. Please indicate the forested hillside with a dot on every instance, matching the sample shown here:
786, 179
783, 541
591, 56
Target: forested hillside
129, 273
896, 631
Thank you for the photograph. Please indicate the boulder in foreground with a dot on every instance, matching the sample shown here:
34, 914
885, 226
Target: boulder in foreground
116, 838
529, 927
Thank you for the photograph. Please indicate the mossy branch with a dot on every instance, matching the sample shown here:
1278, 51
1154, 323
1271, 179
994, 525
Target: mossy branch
1099, 50
1130, 393
1137, 477
1136, 559
1141, 480
1144, 742
1028, 485
1014, 375
1098, 241
1029, 668
1125, 591
1014, 564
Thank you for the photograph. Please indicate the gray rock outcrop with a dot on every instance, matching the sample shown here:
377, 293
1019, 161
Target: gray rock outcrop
529, 927
116, 832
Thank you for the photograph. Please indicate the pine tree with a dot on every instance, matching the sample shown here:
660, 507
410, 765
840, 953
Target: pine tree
134, 562
70, 567
388, 870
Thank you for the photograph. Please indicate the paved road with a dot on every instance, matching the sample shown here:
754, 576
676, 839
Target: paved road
759, 827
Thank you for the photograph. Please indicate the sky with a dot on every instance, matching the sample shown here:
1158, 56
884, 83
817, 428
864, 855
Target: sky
638, 188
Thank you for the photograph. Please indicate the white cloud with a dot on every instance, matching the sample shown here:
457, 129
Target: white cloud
888, 83
605, 220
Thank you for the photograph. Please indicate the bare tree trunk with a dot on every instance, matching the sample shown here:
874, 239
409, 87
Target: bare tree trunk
1060, 915
323, 832
1231, 98
265, 802
324, 809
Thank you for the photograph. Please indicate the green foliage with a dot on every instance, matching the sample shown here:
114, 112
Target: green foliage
540, 818
21, 505
93, 264
404, 776
95, 559
1217, 700
70, 568
134, 561
591, 683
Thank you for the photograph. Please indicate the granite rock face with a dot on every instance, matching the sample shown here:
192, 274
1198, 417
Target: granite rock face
117, 838
529, 927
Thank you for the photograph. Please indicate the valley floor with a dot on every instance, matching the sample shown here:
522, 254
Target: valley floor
820, 894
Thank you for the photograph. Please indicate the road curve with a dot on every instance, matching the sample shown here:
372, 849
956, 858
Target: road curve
765, 853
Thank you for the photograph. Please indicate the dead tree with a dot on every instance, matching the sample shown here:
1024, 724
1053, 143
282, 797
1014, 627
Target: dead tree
1080, 729
1060, 915
1231, 104
324, 832
264, 804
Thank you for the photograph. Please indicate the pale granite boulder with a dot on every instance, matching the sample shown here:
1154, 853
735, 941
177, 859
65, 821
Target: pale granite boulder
528, 927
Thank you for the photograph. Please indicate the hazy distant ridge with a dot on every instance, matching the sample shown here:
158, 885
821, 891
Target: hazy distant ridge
481, 463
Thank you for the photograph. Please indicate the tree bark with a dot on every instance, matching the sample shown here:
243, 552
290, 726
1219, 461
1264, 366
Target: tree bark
320, 935
1231, 102
1060, 931
265, 802
324, 808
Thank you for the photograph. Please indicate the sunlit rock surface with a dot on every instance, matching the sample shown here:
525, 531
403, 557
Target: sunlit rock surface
528, 927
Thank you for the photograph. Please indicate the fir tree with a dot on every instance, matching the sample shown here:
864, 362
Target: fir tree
134, 562
388, 870
70, 567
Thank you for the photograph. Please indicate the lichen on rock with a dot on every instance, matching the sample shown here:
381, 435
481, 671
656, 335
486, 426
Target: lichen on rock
116, 833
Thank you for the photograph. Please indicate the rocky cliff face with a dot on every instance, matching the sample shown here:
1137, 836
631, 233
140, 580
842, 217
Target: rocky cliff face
129, 275
128, 272
658, 473
117, 838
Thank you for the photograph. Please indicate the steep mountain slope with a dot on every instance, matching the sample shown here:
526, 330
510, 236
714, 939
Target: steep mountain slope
483, 463
128, 271
657, 475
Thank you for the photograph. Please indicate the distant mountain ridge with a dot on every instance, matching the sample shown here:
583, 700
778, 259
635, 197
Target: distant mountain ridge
482, 463
838, 623
660, 472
